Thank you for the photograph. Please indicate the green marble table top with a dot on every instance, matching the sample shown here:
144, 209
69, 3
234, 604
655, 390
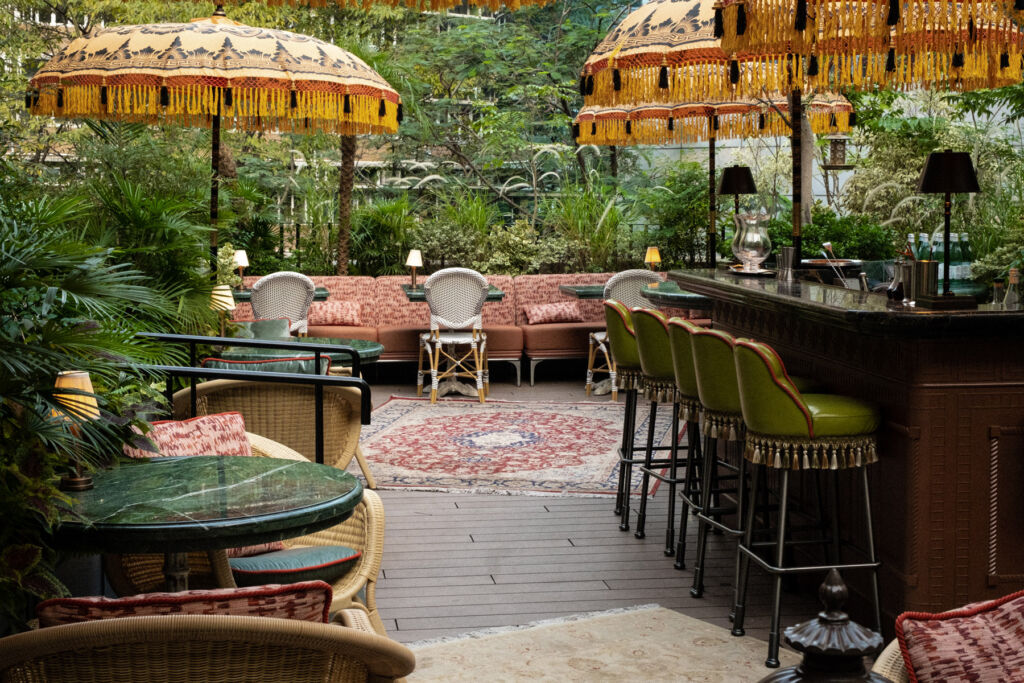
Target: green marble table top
583, 291
670, 294
205, 502
245, 295
368, 351
419, 294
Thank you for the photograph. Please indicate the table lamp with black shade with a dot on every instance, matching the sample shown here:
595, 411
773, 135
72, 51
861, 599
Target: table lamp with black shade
947, 173
736, 180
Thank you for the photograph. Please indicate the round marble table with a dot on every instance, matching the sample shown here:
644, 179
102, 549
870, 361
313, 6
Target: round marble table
369, 351
177, 505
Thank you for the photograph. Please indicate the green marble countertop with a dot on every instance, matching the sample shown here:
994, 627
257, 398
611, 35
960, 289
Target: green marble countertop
245, 295
205, 502
852, 309
419, 294
583, 291
670, 294
368, 351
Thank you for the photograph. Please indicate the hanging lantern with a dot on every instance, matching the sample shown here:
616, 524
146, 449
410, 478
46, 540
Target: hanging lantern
836, 160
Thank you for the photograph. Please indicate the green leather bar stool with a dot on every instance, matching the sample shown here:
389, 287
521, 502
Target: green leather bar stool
679, 331
659, 386
627, 376
721, 418
793, 432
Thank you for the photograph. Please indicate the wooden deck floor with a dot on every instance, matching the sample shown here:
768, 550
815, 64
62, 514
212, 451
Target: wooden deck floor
455, 563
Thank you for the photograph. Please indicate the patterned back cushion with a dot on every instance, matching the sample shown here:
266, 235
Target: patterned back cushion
531, 290
306, 601
978, 642
394, 307
558, 312
335, 313
356, 288
500, 312
218, 434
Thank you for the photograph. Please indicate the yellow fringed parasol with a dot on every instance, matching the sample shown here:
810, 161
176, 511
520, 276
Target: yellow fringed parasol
948, 44
213, 72
661, 75
422, 5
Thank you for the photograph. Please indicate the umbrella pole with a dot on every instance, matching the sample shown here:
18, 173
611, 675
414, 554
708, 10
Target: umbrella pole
712, 203
796, 116
214, 188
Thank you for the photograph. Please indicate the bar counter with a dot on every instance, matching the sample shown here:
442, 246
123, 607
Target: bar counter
948, 490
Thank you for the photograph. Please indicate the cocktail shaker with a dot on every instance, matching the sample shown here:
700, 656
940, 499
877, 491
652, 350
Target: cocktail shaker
786, 257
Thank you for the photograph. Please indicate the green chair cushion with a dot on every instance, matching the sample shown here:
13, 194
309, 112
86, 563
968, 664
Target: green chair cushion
679, 334
269, 328
715, 370
305, 365
324, 563
653, 344
834, 415
621, 337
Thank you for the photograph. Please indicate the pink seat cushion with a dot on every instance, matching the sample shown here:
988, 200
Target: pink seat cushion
217, 434
982, 641
334, 313
306, 601
557, 312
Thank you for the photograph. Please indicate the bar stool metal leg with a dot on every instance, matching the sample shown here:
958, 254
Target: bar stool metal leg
641, 518
739, 610
871, 549
626, 448
673, 474
710, 449
627, 482
780, 548
691, 494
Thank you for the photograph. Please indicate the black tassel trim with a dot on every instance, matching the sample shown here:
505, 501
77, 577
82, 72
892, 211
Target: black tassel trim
741, 20
229, 97
575, 131
1018, 5
894, 13
382, 110
734, 71
629, 127
853, 119
347, 107
165, 96
293, 100
28, 99
583, 86
616, 80
714, 123
671, 123
590, 85
400, 114
890, 60
103, 94
800, 24
60, 98
663, 77
719, 23
812, 66
958, 60
1004, 61
970, 29
593, 128
761, 123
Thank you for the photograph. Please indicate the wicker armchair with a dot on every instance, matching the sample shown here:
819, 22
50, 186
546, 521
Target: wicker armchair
624, 287
284, 413
364, 531
284, 295
890, 664
173, 648
456, 298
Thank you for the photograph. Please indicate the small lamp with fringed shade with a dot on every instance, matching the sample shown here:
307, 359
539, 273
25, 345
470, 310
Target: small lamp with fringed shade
77, 405
737, 180
414, 261
222, 301
241, 260
652, 258
947, 173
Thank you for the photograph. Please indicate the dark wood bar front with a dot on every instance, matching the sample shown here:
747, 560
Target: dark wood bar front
948, 492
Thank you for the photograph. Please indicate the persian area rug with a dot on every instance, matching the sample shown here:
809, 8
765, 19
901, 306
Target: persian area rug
646, 643
502, 446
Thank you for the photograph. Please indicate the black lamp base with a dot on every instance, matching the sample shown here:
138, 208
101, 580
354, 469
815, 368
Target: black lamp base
946, 302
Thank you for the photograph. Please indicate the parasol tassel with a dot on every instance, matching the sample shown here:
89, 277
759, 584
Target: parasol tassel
719, 23
734, 71
590, 85
575, 132
812, 66
970, 29
616, 80
60, 98
741, 20
593, 128
629, 127
347, 106
761, 123
293, 100
671, 123
800, 24
890, 60
1018, 5
383, 109
894, 13
103, 94
714, 122
1004, 61
663, 77
400, 115
958, 60
229, 97
583, 86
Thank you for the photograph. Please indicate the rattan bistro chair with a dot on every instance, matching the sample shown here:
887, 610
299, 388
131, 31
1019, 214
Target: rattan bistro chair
456, 298
206, 647
284, 295
623, 287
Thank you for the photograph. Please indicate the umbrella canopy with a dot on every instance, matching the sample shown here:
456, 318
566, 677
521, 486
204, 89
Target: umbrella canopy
193, 73
948, 44
423, 5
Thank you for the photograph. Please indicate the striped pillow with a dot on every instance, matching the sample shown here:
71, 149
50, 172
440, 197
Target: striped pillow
217, 434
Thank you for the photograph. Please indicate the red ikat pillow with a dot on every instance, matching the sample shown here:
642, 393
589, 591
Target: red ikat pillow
558, 312
306, 601
334, 313
217, 434
982, 642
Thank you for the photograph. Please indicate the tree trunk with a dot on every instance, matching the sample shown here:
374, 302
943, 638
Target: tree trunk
346, 178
